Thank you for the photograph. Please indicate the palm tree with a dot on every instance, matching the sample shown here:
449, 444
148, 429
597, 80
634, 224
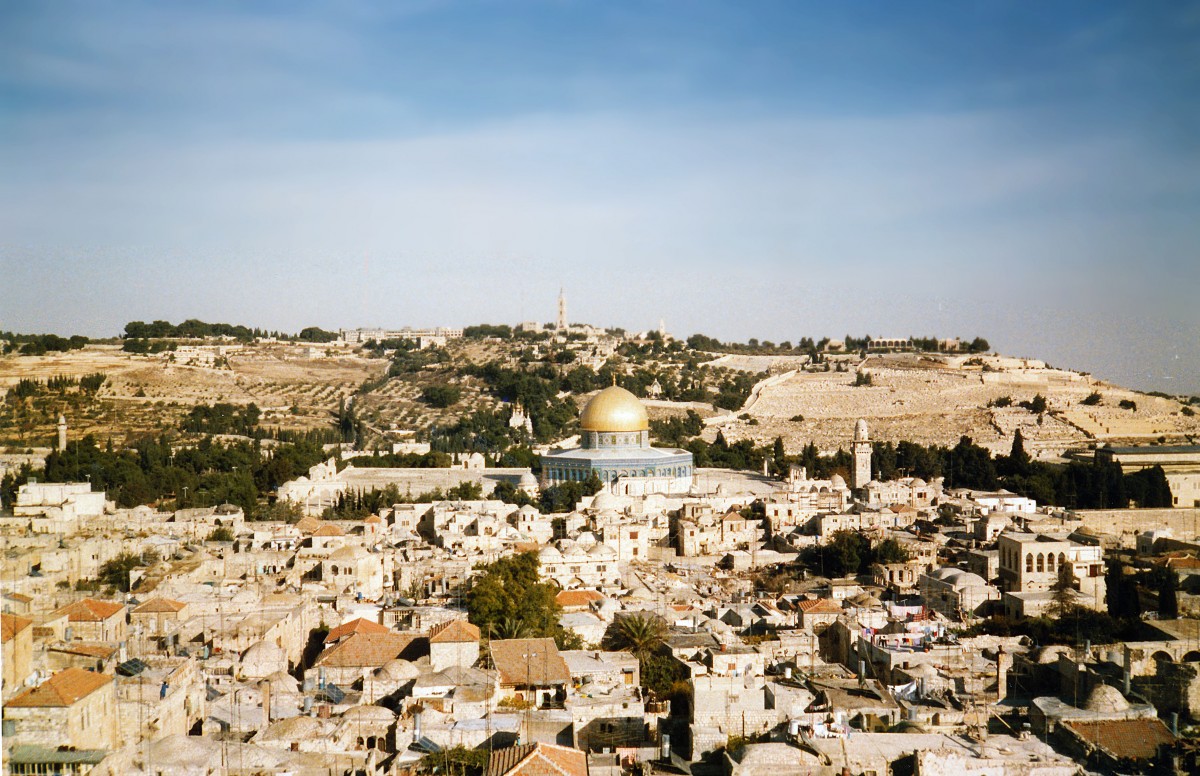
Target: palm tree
640, 634
510, 628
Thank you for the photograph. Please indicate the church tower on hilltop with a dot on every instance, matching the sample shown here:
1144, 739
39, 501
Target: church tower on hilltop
860, 449
562, 311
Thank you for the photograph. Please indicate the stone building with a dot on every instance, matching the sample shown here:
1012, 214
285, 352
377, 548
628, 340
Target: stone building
453, 644
16, 633
74, 708
92, 620
159, 616
957, 594
1180, 463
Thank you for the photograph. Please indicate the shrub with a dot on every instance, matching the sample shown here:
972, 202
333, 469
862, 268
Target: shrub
221, 533
1128, 404
1092, 399
1036, 405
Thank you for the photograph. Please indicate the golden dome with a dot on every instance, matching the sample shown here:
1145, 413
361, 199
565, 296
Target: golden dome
614, 409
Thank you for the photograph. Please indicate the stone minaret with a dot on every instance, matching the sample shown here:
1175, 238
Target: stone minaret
861, 450
62, 432
562, 310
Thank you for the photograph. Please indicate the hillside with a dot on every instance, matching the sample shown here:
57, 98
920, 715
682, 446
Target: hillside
927, 399
937, 399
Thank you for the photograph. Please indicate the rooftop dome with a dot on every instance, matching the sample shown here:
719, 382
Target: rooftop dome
1050, 653
1106, 698
614, 409
605, 500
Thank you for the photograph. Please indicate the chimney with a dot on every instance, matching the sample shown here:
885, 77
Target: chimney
265, 687
1175, 723
1001, 675
1128, 672
862, 672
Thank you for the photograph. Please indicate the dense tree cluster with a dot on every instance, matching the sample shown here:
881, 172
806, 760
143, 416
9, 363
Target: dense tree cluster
197, 329
850, 552
222, 418
811, 347
508, 600
1097, 484
189, 329
676, 431
209, 472
441, 396
484, 330
722, 454
316, 334
40, 344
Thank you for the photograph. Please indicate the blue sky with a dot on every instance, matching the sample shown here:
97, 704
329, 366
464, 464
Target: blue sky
1028, 172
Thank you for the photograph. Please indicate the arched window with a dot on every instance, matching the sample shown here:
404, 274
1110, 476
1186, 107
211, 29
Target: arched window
1050, 562
1041, 562
1062, 559
1029, 562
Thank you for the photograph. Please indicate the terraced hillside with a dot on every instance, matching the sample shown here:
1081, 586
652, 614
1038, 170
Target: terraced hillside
935, 401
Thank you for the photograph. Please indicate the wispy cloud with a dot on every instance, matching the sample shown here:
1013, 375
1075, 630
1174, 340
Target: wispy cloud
461, 163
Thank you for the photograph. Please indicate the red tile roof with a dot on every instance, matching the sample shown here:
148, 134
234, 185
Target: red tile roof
365, 650
89, 610
61, 690
453, 632
819, 606
578, 598
529, 662
537, 760
1124, 739
160, 605
100, 651
358, 625
11, 625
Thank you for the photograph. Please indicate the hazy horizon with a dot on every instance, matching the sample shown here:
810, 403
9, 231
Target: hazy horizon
1029, 174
